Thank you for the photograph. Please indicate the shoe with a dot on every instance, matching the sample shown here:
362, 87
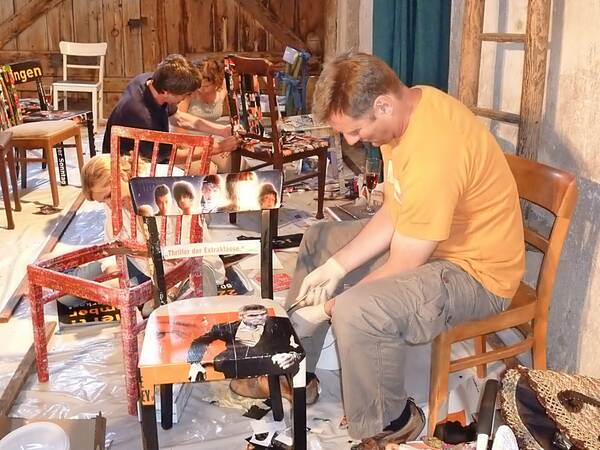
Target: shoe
258, 387
408, 432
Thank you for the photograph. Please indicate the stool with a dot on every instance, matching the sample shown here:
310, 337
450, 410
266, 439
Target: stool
7, 161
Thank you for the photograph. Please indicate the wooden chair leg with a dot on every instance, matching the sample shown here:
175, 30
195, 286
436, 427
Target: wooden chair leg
23, 167
130, 355
438, 383
236, 165
539, 346
52, 174
321, 183
5, 193
275, 394
79, 149
480, 347
36, 303
12, 170
166, 406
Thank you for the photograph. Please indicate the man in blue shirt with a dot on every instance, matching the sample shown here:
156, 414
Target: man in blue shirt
150, 102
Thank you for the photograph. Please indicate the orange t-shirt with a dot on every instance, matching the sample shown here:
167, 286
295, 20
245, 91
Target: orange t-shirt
448, 181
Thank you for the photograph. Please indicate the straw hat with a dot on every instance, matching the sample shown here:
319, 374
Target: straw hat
571, 402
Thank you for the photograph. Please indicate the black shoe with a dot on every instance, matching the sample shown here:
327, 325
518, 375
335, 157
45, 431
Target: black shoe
410, 431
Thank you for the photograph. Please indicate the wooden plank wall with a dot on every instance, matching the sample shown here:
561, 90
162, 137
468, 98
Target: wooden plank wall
189, 27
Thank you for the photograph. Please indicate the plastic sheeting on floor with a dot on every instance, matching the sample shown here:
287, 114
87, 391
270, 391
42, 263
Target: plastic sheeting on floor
86, 371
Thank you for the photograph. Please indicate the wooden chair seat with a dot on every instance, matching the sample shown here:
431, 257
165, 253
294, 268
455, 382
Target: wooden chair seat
43, 130
555, 191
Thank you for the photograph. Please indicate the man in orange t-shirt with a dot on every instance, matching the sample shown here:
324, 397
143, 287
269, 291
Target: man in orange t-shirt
446, 246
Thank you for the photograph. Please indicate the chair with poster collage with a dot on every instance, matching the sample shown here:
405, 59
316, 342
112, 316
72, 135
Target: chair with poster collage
254, 113
223, 337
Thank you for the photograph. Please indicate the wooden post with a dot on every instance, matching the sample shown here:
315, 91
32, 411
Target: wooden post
330, 37
534, 78
470, 58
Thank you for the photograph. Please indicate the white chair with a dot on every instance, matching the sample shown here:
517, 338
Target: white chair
97, 50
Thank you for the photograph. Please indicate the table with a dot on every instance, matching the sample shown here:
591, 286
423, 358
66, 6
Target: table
176, 331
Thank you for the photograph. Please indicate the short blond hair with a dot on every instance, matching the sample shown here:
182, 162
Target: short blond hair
96, 172
350, 84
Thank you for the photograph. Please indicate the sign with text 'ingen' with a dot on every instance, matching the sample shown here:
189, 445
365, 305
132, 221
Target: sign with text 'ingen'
26, 71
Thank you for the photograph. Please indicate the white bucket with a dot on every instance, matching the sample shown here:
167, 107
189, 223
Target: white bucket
38, 435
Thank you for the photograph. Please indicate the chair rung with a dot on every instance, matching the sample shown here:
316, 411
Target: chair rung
497, 115
503, 37
495, 355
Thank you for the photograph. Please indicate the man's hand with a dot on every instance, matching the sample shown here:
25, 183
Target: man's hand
319, 285
285, 360
197, 372
306, 320
227, 145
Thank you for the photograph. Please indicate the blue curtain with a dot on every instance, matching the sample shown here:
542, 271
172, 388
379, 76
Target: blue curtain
413, 37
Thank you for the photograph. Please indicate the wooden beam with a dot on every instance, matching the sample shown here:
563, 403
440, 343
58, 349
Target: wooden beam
271, 23
18, 22
534, 78
20, 376
330, 38
470, 53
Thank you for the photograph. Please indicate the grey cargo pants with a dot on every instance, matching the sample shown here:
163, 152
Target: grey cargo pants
373, 322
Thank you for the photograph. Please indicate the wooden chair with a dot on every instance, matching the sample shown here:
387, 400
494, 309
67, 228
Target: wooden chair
555, 191
95, 88
264, 141
7, 162
52, 273
30, 72
45, 136
32, 136
204, 330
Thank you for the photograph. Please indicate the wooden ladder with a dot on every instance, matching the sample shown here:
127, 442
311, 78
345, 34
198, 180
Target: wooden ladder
535, 40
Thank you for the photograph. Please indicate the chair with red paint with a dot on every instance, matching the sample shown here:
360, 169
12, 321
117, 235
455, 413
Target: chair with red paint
52, 273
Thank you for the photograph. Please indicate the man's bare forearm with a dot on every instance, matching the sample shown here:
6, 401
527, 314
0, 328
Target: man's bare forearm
191, 122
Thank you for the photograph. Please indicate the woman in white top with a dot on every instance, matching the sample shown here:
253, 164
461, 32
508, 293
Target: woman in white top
207, 102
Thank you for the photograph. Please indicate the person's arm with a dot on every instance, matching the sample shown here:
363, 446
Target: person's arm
186, 120
182, 106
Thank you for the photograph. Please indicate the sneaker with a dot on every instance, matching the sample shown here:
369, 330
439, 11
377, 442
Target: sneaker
258, 387
408, 432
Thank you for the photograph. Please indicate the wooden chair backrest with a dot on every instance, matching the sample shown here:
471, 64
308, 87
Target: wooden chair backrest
193, 144
246, 79
97, 50
555, 191
142, 194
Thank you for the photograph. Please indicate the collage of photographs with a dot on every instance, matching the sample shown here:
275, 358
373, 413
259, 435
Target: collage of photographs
187, 195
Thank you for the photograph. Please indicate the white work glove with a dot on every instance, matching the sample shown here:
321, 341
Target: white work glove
306, 320
320, 284
285, 360
197, 372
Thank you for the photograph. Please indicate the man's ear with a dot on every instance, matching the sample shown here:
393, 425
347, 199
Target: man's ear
383, 106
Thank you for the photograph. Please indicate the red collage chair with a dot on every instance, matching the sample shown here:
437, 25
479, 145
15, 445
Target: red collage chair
51, 273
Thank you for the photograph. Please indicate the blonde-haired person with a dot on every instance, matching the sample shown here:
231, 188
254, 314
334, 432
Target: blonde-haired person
96, 186
207, 103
